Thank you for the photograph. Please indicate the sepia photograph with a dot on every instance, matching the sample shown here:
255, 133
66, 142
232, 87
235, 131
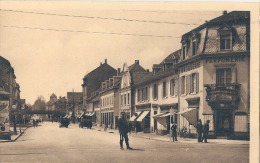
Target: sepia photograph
129, 82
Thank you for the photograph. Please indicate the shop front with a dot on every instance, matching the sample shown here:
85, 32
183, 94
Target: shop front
224, 101
142, 122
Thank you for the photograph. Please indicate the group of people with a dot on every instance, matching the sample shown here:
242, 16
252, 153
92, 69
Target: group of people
125, 127
202, 131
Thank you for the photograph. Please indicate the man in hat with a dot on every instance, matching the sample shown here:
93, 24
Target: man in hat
123, 131
174, 132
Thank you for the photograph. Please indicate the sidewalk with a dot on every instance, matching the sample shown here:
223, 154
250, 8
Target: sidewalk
15, 137
166, 138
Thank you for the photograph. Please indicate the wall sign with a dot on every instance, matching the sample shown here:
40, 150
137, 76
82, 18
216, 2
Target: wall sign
226, 59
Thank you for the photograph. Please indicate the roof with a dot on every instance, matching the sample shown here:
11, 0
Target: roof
74, 96
136, 68
234, 16
151, 77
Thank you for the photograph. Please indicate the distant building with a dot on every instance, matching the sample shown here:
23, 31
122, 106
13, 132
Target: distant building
109, 102
74, 104
130, 76
92, 82
51, 102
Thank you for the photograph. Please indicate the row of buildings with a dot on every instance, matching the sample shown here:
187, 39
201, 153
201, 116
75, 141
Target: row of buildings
11, 104
207, 78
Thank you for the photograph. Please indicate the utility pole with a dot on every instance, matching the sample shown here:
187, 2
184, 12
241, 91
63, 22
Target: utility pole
73, 111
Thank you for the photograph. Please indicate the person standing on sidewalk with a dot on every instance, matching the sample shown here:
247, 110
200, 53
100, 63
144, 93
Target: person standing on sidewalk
123, 131
199, 130
205, 132
174, 132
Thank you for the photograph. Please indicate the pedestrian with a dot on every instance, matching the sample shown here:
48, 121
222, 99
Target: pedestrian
174, 132
199, 130
123, 131
34, 122
205, 132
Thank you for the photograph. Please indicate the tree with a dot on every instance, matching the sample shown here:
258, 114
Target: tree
39, 103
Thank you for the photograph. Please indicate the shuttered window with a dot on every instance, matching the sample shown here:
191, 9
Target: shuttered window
188, 77
240, 123
176, 87
197, 82
155, 91
164, 93
172, 87
183, 85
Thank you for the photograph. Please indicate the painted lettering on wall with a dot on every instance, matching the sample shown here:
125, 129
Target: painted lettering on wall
190, 66
225, 59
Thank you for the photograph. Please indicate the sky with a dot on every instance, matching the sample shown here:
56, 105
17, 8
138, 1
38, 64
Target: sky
51, 46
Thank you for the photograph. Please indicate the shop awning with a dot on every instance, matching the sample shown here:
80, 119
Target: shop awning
65, 116
69, 116
134, 116
161, 118
81, 115
141, 117
190, 114
91, 114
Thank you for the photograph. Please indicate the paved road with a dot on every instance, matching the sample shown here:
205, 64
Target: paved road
50, 144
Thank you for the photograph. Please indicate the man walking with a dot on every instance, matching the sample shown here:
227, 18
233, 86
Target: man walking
123, 130
199, 130
205, 132
174, 132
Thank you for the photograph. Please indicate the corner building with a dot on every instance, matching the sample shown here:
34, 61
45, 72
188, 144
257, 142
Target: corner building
214, 76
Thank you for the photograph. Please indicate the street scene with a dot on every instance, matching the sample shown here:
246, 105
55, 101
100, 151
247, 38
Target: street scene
49, 143
110, 82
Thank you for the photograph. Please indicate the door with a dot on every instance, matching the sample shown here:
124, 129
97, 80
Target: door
224, 123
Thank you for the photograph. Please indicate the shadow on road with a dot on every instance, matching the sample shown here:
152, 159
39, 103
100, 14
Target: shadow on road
136, 149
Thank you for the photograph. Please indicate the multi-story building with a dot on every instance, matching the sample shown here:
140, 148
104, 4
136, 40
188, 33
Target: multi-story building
130, 75
51, 103
109, 102
214, 75
157, 97
92, 82
74, 103
9, 95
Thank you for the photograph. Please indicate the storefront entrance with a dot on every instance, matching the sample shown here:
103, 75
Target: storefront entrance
224, 123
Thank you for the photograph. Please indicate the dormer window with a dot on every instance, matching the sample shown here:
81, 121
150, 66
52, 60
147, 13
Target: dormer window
225, 33
225, 41
194, 47
184, 50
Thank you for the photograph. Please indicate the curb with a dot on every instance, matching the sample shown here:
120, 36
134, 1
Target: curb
13, 140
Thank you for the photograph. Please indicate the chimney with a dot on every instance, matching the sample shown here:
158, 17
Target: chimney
118, 71
137, 61
224, 12
105, 60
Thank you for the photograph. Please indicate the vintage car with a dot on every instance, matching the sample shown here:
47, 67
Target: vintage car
86, 122
64, 122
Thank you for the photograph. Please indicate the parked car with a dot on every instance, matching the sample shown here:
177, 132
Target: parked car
64, 122
85, 123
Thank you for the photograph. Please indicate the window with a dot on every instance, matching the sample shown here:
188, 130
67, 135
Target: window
183, 52
223, 76
155, 91
125, 99
225, 41
164, 93
128, 98
194, 47
183, 85
122, 100
173, 87
194, 83
139, 96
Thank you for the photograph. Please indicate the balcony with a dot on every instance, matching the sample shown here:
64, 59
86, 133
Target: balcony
225, 96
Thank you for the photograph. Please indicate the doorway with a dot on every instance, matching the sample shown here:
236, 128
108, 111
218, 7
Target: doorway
224, 123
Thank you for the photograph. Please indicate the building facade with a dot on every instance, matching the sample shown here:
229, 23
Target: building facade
109, 102
92, 82
214, 75
130, 75
157, 97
